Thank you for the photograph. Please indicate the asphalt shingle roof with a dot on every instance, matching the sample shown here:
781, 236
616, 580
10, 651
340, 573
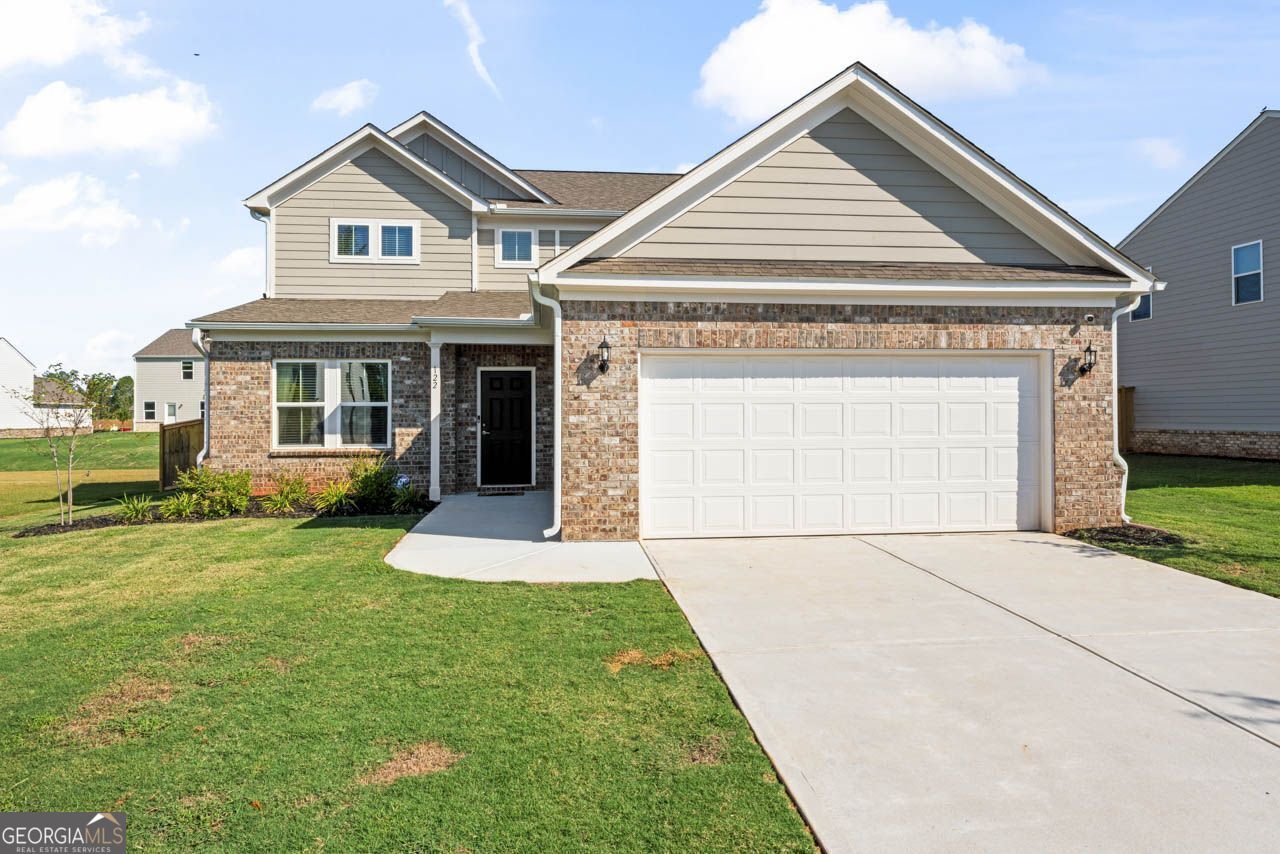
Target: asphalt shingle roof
175, 342
596, 191
495, 305
845, 270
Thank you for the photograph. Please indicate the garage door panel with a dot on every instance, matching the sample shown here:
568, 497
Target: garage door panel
788, 444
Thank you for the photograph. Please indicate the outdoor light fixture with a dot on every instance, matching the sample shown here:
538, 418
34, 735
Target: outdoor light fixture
1090, 359
604, 355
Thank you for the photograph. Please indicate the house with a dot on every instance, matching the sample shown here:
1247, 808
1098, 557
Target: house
851, 319
168, 381
1201, 357
20, 388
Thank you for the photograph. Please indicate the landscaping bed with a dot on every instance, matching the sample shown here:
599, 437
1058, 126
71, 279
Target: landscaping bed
1128, 535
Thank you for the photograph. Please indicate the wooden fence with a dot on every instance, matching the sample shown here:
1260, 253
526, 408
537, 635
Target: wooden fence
179, 445
1124, 403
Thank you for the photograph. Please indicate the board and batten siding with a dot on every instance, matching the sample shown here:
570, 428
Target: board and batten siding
1201, 363
458, 167
371, 186
845, 191
492, 277
160, 380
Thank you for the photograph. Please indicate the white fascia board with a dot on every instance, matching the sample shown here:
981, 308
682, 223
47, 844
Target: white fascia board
403, 130
523, 320
499, 209
364, 139
1200, 173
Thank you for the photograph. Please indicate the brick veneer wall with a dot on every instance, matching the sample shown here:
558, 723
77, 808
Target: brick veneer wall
1207, 443
600, 442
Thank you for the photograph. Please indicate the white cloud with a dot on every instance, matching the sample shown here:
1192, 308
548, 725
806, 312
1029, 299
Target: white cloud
1161, 152
245, 262
53, 32
791, 46
133, 175
72, 202
60, 120
5, 175
461, 10
110, 345
347, 98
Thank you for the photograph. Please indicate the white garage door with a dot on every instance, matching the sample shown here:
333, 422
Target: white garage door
765, 445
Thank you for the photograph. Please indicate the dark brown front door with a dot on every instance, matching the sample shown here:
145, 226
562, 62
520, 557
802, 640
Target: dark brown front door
506, 428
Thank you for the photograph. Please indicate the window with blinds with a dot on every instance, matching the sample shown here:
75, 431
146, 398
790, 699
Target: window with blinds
299, 404
516, 248
373, 241
365, 412
356, 410
397, 241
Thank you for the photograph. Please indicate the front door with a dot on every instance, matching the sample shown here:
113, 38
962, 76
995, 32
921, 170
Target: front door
506, 428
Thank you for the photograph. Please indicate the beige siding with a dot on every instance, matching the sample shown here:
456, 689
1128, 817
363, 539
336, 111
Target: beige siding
843, 192
475, 178
371, 186
160, 380
492, 277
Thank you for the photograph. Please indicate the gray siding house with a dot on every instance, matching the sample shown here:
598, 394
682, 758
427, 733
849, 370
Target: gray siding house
1203, 355
168, 382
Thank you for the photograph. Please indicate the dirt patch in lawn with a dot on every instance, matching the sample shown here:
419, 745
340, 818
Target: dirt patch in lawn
708, 751
661, 661
118, 700
1128, 535
193, 642
429, 757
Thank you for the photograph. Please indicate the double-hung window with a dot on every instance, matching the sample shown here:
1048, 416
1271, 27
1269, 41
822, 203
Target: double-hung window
333, 404
516, 247
373, 241
188, 369
149, 410
1246, 273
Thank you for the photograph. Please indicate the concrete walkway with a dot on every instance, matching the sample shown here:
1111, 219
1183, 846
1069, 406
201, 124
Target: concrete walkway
1018, 692
499, 538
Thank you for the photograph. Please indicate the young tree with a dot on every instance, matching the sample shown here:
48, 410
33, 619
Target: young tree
59, 408
122, 399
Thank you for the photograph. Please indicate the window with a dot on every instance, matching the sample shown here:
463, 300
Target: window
299, 404
1143, 311
516, 248
149, 410
365, 412
202, 409
1246, 273
188, 370
372, 241
333, 404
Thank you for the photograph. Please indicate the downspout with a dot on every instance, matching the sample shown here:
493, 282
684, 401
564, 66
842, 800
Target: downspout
535, 290
198, 343
1115, 403
265, 219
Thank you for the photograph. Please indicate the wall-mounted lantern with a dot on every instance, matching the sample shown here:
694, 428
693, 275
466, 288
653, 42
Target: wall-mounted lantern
604, 355
1090, 360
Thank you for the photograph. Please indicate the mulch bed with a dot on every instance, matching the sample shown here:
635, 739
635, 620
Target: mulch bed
1128, 535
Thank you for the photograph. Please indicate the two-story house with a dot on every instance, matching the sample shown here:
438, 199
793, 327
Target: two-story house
851, 319
168, 381
1202, 356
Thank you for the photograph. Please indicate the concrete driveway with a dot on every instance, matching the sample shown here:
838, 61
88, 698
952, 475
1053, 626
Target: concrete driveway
996, 692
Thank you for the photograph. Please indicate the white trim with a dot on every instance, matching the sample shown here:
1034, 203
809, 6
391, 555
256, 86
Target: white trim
145, 416
1262, 279
322, 404
331, 403
557, 345
475, 254
500, 209
183, 366
433, 492
501, 263
375, 227
1151, 308
170, 405
533, 424
1265, 114
477, 153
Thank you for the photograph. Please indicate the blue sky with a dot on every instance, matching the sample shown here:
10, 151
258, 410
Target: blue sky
124, 157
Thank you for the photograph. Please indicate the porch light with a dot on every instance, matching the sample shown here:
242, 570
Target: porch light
1090, 359
604, 355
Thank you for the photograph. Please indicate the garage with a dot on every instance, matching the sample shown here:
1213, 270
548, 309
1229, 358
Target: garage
774, 444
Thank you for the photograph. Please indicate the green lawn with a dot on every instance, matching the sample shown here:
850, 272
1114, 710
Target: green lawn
232, 683
1228, 509
100, 450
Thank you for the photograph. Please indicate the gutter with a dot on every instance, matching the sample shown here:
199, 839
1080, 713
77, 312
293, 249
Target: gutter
535, 290
1115, 401
417, 324
196, 335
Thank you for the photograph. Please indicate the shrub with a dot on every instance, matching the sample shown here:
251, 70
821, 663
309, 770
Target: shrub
373, 485
180, 505
407, 499
134, 508
337, 498
218, 494
290, 494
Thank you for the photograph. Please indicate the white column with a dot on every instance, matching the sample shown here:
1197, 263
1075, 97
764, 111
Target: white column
434, 492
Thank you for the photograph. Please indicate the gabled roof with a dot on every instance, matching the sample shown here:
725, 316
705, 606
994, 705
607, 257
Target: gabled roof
904, 120
15, 349
364, 139
1261, 117
173, 342
47, 391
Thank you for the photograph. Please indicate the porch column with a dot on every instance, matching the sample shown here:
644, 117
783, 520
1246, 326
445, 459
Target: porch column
434, 492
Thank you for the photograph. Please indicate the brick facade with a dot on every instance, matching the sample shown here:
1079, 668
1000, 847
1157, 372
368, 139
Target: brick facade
1207, 443
600, 450
240, 409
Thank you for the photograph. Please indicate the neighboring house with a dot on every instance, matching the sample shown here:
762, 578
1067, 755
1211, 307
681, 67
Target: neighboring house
168, 381
1202, 356
851, 319
20, 387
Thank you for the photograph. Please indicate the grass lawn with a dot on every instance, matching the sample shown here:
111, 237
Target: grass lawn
96, 451
259, 685
1228, 509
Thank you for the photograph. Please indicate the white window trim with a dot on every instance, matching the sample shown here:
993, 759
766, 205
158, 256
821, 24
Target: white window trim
185, 367
152, 405
1262, 278
331, 403
375, 241
533, 424
533, 249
